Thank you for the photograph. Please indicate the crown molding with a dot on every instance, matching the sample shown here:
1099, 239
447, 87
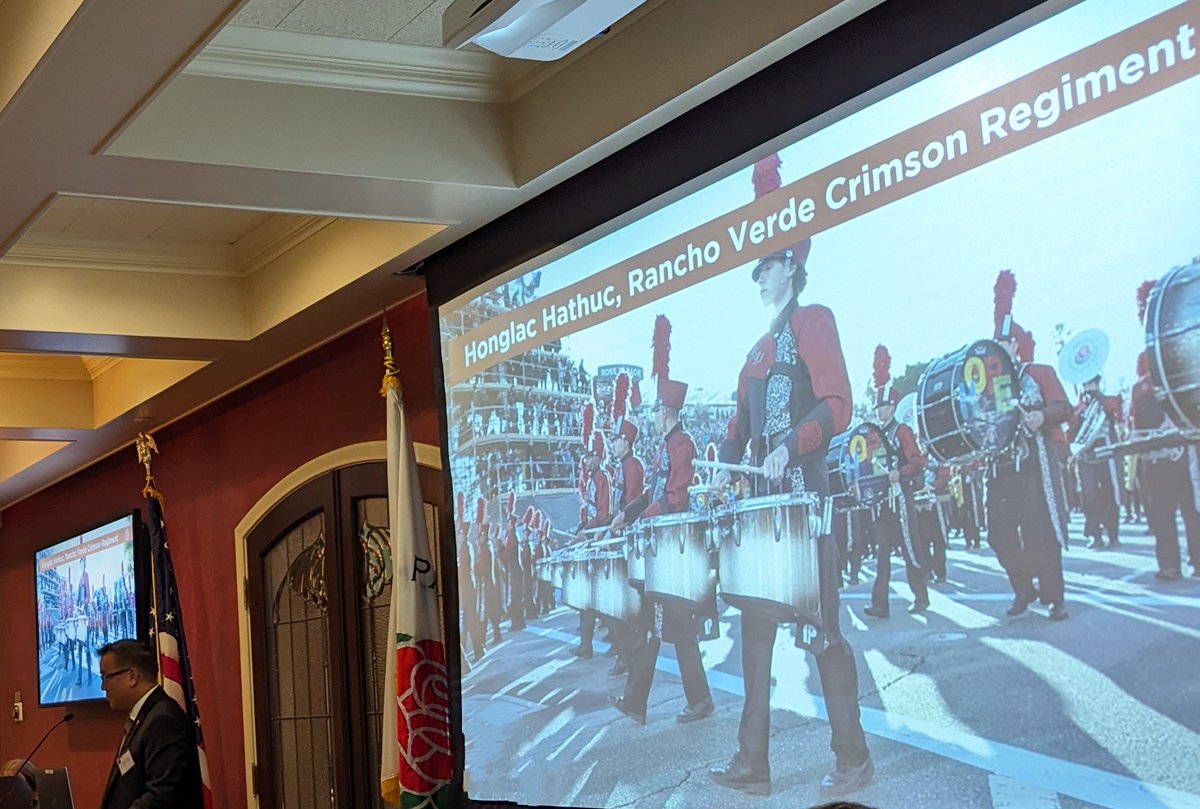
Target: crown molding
55, 367
63, 251
99, 365
273, 238
343, 63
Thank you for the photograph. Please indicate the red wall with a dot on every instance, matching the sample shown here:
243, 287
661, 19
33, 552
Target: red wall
214, 466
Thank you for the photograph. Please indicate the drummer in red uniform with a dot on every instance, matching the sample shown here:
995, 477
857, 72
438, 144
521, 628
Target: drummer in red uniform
628, 483
597, 511
793, 396
1026, 502
666, 492
895, 521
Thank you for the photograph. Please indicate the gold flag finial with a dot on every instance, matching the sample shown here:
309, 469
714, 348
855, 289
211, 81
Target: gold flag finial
391, 377
145, 446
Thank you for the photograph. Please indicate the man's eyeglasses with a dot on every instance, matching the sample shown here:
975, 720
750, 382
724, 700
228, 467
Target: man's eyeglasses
106, 677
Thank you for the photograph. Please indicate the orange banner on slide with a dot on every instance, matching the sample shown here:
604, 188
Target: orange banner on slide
92, 546
1113, 73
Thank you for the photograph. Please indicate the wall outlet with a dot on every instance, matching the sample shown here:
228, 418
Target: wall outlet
18, 710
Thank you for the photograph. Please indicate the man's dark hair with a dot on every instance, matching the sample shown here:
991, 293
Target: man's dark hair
799, 282
132, 654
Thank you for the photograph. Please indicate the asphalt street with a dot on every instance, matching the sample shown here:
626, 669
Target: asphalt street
962, 705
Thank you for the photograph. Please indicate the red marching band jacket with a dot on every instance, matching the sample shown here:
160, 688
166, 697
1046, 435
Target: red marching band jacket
598, 500
1056, 409
912, 462
630, 481
820, 405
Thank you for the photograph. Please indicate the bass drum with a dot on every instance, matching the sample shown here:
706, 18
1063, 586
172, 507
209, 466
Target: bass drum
1173, 343
967, 403
835, 463
864, 460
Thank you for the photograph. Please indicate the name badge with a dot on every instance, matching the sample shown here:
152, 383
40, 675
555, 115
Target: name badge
125, 762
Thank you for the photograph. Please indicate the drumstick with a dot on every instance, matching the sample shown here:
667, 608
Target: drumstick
730, 467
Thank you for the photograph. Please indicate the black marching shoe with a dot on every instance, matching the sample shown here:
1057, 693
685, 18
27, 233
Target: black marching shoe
1020, 604
875, 612
619, 668
696, 711
1170, 574
1058, 611
1097, 544
619, 704
845, 779
919, 607
738, 775
584, 652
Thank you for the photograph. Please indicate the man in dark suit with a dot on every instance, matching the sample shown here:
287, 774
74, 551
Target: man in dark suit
157, 765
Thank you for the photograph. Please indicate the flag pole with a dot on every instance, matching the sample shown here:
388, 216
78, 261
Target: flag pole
145, 447
391, 376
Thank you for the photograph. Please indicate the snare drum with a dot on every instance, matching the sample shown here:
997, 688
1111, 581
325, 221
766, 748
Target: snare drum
768, 556
967, 403
611, 593
635, 559
1173, 343
576, 583
679, 565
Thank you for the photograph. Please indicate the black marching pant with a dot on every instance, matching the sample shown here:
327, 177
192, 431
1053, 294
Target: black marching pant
932, 539
1100, 507
681, 628
1168, 491
1021, 533
835, 666
889, 535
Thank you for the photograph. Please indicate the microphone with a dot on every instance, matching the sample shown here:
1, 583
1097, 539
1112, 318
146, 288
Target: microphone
36, 747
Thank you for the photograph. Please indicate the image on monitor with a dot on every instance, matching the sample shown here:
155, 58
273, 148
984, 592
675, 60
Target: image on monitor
867, 465
86, 597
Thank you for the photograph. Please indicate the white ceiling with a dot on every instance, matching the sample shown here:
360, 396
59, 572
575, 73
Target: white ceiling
225, 197
411, 22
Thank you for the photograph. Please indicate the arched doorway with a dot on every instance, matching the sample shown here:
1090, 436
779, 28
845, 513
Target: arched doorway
318, 589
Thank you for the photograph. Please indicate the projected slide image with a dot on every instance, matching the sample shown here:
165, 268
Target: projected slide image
85, 599
871, 467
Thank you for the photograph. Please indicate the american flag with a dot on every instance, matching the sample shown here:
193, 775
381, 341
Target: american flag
174, 668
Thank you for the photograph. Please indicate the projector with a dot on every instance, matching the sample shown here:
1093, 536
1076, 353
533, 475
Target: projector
542, 30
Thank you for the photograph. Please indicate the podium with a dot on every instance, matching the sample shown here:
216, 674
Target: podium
15, 793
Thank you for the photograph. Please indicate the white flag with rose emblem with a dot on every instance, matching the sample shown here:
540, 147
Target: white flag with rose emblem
417, 762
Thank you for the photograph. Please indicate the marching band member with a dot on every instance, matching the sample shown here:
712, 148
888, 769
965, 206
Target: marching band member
473, 629
628, 484
666, 492
895, 521
1169, 483
793, 396
1099, 487
485, 573
932, 525
595, 513
1026, 501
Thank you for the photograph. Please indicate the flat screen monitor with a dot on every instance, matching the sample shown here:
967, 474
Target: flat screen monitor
89, 593
886, 425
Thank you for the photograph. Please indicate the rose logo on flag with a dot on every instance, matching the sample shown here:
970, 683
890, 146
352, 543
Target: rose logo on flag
423, 699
